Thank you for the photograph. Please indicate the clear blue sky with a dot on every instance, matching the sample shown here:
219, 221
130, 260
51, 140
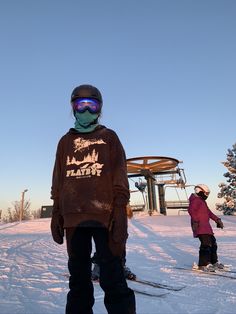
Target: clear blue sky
166, 70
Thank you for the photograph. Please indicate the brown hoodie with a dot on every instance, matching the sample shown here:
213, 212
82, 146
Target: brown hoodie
89, 177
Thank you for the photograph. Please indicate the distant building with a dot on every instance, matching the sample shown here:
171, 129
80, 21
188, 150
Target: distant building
46, 211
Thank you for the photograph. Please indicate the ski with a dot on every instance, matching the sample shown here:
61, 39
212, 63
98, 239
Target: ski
157, 284
149, 294
142, 292
148, 283
201, 272
155, 295
227, 271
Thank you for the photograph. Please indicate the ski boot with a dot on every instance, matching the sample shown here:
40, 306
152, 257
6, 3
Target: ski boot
219, 266
208, 268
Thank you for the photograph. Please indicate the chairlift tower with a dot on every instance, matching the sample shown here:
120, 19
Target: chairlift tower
155, 169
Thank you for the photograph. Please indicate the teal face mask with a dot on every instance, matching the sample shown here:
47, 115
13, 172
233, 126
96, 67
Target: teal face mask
85, 121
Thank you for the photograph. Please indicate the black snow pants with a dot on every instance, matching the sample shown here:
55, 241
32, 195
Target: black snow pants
119, 299
207, 250
96, 261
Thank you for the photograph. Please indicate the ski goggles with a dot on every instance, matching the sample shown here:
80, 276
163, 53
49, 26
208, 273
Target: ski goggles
83, 104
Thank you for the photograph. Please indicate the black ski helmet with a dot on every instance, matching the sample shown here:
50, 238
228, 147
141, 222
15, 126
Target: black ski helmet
87, 91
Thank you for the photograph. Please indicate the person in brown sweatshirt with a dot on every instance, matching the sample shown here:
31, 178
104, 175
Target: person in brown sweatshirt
90, 191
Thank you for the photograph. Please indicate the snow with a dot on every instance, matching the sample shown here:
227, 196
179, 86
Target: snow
33, 268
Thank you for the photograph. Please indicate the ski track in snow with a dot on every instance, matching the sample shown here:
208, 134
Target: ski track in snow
33, 268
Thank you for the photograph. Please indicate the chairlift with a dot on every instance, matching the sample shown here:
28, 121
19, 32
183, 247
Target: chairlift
157, 171
180, 204
141, 187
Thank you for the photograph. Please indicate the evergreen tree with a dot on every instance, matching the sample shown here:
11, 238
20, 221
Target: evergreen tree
228, 190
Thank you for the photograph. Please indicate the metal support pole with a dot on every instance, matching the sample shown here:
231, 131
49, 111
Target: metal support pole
161, 192
150, 197
22, 205
154, 199
152, 205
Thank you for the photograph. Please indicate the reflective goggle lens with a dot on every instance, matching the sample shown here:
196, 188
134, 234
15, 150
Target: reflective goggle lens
82, 104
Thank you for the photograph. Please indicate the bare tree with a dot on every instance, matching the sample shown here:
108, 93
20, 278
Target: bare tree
14, 214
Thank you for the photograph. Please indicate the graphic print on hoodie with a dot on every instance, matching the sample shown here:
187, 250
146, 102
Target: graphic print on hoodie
89, 165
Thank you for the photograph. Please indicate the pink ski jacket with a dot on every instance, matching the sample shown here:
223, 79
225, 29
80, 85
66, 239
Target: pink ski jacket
200, 216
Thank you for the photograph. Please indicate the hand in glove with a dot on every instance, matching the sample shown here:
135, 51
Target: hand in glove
219, 223
195, 225
57, 228
118, 231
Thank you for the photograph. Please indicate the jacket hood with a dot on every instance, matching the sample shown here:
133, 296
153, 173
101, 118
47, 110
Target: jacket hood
192, 197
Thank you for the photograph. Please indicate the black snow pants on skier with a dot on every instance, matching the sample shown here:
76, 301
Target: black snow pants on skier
207, 250
119, 299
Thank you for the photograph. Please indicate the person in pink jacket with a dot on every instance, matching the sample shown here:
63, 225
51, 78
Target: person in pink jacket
200, 223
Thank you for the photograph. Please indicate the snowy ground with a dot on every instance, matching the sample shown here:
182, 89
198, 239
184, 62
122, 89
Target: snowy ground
33, 268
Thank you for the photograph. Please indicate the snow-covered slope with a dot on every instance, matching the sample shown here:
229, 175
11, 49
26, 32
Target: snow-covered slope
33, 268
